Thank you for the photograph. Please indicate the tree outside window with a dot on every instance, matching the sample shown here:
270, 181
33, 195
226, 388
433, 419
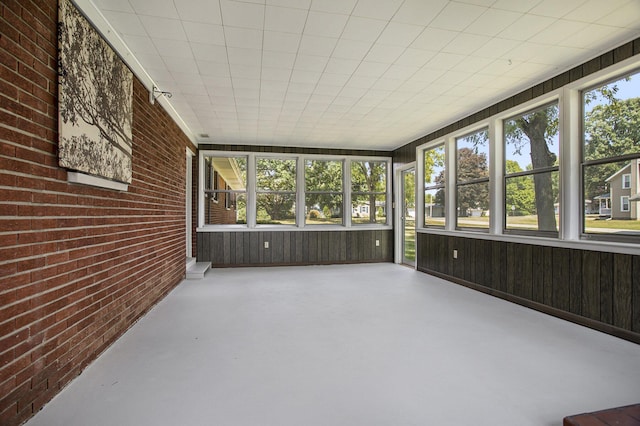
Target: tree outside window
531, 170
472, 180
323, 192
611, 149
276, 191
369, 189
434, 183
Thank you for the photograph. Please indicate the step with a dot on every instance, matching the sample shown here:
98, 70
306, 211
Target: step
197, 270
190, 262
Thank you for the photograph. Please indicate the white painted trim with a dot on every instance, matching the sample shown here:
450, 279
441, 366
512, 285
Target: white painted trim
189, 201
81, 178
398, 190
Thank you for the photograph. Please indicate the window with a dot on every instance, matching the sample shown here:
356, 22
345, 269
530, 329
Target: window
472, 181
230, 173
624, 203
323, 192
276, 191
626, 181
610, 150
369, 192
531, 171
434, 183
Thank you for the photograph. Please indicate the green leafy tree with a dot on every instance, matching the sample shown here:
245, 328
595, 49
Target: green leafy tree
323, 185
368, 182
537, 131
276, 183
472, 165
520, 192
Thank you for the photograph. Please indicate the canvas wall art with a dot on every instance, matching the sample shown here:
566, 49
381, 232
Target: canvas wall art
95, 101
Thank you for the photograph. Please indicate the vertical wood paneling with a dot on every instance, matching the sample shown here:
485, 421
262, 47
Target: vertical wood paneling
547, 273
590, 284
511, 268
575, 282
526, 262
622, 291
606, 288
537, 277
635, 294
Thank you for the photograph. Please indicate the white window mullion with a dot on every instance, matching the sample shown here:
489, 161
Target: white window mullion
571, 204
496, 177
450, 154
300, 192
346, 184
251, 191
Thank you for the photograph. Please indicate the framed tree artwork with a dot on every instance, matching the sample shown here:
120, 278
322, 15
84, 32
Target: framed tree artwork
95, 101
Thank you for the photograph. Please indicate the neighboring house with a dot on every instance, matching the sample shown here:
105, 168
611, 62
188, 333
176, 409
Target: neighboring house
362, 210
624, 188
222, 174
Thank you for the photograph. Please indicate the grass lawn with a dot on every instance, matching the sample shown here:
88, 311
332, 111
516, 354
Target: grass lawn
410, 240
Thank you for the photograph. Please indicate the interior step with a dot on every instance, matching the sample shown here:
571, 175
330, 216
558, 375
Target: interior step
197, 270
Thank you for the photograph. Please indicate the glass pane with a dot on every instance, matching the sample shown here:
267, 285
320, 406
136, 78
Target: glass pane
532, 202
362, 213
276, 174
434, 207
276, 208
434, 166
228, 208
472, 160
322, 175
473, 205
532, 140
606, 199
221, 171
611, 116
369, 176
323, 209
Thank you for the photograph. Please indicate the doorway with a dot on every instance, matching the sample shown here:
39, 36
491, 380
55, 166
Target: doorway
407, 216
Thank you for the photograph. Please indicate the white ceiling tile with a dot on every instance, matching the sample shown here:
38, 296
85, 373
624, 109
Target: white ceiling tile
298, 4
243, 15
174, 48
591, 37
341, 66
334, 6
555, 8
371, 69
360, 81
285, 19
333, 79
559, 55
140, 45
444, 61
311, 63
419, 12
415, 57
245, 83
472, 64
163, 28
125, 23
214, 69
181, 65
150, 59
325, 24
627, 16
434, 39
281, 42
492, 22
243, 37
399, 34
317, 46
204, 11
497, 47
209, 52
522, 6
558, 31
204, 33
351, 49
363, 29
401, 72
275, 74
240, 56
593, 10
299, 87
457, 16
526, 27
278, 59
427, 75
466, 44
245, 71
114, 5
158, 8
377, 9
384, 53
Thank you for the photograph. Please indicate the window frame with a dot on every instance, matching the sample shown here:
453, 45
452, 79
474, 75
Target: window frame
626, 181
421, 183
622, 204
474, 181
386, 193
342, 162
251, 191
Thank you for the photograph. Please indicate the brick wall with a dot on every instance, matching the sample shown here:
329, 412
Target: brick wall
78, 265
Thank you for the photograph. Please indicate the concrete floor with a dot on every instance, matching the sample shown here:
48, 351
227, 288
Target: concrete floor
374, 344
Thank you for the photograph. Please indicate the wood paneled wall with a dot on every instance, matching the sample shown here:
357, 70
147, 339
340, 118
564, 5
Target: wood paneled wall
246, 248
596, 289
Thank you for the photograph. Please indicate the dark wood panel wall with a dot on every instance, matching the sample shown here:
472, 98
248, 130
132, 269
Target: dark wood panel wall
596, 289
247, 248
407, 153
292, 150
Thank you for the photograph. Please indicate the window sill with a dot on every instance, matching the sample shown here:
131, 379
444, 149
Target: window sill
288, 228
